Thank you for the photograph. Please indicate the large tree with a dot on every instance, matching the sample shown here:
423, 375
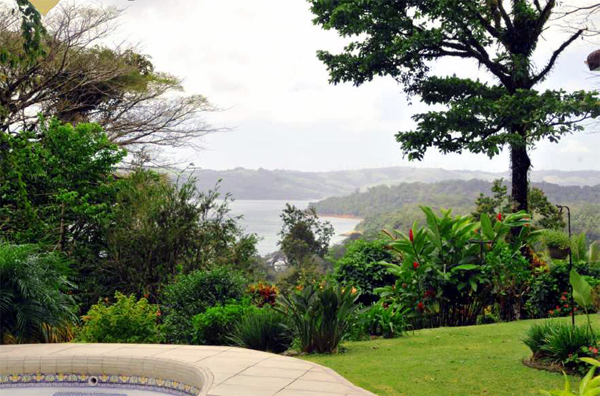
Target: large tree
406, 38
76, 78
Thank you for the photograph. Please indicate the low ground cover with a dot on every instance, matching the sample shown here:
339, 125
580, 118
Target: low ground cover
459, 361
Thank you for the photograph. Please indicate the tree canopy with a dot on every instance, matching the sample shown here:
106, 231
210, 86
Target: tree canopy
76, 78
405, 38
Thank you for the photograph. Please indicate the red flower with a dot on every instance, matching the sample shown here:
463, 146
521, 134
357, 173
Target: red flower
595, 351
404, 285
416, 265
420, 306
551, 312
411, 236
575, 309
557, 307
563, 298
499, 217
566, 305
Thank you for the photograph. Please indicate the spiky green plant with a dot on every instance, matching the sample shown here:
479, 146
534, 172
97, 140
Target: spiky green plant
264, 330
321, 316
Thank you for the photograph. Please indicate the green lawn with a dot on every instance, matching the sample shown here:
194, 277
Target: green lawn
477, 360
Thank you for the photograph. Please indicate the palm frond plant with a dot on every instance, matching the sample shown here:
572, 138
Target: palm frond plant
35, 305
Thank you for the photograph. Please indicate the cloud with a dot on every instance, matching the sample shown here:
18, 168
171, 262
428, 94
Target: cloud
257, 59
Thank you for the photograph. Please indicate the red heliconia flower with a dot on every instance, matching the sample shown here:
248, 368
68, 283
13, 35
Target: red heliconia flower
563, 298
416, 265
420, 306
566, 305
499, 217
411, 236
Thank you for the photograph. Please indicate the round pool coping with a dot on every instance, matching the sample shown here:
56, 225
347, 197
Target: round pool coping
212, 370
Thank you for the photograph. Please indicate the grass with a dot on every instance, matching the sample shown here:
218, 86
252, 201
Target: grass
460, 361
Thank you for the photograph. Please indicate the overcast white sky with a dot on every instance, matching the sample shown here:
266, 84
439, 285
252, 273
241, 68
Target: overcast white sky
257, 60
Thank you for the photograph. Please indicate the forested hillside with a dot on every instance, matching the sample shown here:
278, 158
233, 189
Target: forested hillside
385, 207
294, 185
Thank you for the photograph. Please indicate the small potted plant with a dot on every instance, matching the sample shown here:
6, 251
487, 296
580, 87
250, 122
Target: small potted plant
558, 244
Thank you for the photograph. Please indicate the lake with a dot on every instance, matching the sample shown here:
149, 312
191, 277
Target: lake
263, 218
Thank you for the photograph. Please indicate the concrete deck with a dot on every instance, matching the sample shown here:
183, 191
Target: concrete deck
223, 371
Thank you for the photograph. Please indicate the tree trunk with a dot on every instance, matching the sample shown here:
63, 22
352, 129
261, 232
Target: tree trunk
520, 166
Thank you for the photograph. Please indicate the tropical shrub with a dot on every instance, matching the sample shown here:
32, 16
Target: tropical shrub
215, 326
264, 330
127, 320
359, 267
263, 294
193, 294
510, 276
382, 320
444, 277
321, 316
35, 296
549, 289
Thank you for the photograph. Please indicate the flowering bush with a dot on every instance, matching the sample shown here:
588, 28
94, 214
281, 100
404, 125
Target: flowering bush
445, 277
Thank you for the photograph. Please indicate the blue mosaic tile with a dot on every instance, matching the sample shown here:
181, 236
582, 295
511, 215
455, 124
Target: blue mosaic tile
104, 381
88, 394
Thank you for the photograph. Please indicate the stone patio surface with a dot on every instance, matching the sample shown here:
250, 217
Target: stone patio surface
227, 371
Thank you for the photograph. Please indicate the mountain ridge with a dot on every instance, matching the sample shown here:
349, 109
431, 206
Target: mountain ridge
263, 184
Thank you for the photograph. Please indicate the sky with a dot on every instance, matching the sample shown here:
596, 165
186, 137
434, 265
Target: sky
256, 60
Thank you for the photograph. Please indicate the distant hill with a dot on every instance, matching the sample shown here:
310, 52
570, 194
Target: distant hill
397, 207
445, 194
265, 184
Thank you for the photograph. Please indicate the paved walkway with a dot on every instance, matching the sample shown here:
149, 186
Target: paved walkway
225, 371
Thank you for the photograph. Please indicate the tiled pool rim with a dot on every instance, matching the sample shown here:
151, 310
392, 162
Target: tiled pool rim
201, 370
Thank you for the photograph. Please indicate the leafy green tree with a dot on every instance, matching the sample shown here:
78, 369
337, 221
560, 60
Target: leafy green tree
36, 304
81, 79
57, 184
161, 229
405, 39
303, 235
543, 213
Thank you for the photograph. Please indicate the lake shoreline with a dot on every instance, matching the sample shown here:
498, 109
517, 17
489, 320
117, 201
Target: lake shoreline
340, 216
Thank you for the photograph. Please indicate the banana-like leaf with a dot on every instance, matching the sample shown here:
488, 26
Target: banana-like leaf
585, 382
582, 291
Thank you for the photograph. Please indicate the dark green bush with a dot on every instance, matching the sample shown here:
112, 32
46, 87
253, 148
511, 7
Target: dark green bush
359, 267
126, 321
322, 316
264, 330
193, 294
35, 305
215, 326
